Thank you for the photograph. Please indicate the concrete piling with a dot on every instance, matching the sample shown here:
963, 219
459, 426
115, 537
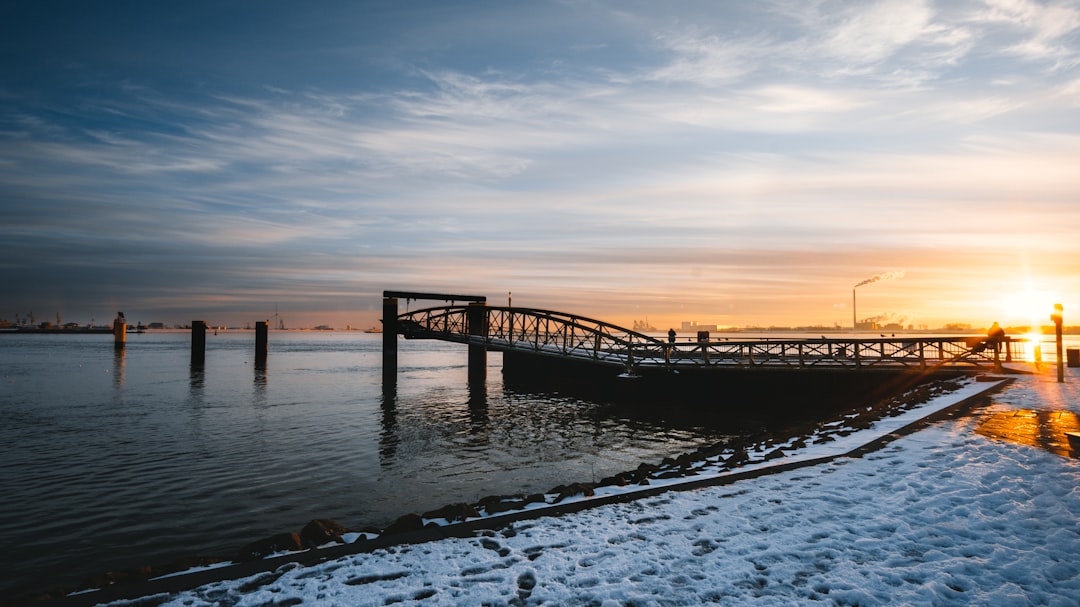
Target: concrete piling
198, 343
262, 330
477, 329
389, 341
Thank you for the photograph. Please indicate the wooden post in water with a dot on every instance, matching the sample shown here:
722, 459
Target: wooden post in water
119, 329
198, 343
389, 341
262, 342
477, 328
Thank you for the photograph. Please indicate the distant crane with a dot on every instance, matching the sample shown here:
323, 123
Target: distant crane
280, 322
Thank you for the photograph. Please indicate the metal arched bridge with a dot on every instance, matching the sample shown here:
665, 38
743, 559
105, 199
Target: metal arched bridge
569, 336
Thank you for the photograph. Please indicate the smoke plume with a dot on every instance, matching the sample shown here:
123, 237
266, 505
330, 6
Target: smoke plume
881, 277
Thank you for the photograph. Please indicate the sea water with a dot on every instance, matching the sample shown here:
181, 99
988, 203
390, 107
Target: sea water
116, 459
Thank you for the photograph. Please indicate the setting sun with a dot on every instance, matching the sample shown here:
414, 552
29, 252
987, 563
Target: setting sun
1029, 307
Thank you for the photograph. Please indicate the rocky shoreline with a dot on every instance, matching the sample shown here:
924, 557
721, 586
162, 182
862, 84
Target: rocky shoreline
728, 455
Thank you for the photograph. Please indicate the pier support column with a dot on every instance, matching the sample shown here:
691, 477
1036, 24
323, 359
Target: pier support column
262, 342
198, 344
477, 321
389, 341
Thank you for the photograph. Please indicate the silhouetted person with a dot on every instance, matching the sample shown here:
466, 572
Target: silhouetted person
994, 336
671, 335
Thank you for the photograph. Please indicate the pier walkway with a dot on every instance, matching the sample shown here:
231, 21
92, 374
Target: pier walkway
572, 337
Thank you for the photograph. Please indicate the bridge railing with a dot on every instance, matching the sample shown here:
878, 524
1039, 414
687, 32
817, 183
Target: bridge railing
551, 333
544, 332
915, 352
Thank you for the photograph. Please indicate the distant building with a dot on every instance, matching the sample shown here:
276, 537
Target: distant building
693, 325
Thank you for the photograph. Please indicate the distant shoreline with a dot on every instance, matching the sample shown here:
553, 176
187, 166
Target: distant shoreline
25, 330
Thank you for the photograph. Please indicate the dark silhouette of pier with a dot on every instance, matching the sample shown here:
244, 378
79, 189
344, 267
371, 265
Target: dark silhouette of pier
553, 350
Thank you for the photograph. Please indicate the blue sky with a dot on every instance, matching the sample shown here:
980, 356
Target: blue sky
725, 162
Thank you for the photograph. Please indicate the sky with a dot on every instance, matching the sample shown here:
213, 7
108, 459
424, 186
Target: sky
730, 163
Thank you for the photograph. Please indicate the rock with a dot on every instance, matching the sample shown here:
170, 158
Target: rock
184, 563
739, 457
404, 524
495, 499
265, 547
454, 512
504, 506
322, 531
613, 481
571, 490
647, 468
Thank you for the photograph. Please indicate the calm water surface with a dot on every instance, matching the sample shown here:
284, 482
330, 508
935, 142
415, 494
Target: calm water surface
114, 460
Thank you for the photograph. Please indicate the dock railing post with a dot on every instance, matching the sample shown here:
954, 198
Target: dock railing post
389, 340
477, 321
262, 342
198, 343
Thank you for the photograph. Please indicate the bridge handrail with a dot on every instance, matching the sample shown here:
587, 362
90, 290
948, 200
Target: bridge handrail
549, 332
536, 329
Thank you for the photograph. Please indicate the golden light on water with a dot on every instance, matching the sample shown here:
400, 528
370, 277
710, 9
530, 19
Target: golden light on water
1032, 350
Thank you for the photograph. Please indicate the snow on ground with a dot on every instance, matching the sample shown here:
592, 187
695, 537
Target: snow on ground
944, 516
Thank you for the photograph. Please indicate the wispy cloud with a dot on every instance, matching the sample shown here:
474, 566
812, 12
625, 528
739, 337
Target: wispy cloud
1037, 31
763, 150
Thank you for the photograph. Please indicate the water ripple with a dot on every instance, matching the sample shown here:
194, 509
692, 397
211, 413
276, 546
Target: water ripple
115, 461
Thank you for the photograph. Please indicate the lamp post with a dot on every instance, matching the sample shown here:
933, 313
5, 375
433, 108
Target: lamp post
1057, 318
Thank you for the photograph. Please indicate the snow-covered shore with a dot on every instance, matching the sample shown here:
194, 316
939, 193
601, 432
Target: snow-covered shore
944, 516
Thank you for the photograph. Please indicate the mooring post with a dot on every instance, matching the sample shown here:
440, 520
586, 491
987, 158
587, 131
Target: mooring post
1058, 317
262, 342
119, 329
198, 343
389, 340
477, 329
